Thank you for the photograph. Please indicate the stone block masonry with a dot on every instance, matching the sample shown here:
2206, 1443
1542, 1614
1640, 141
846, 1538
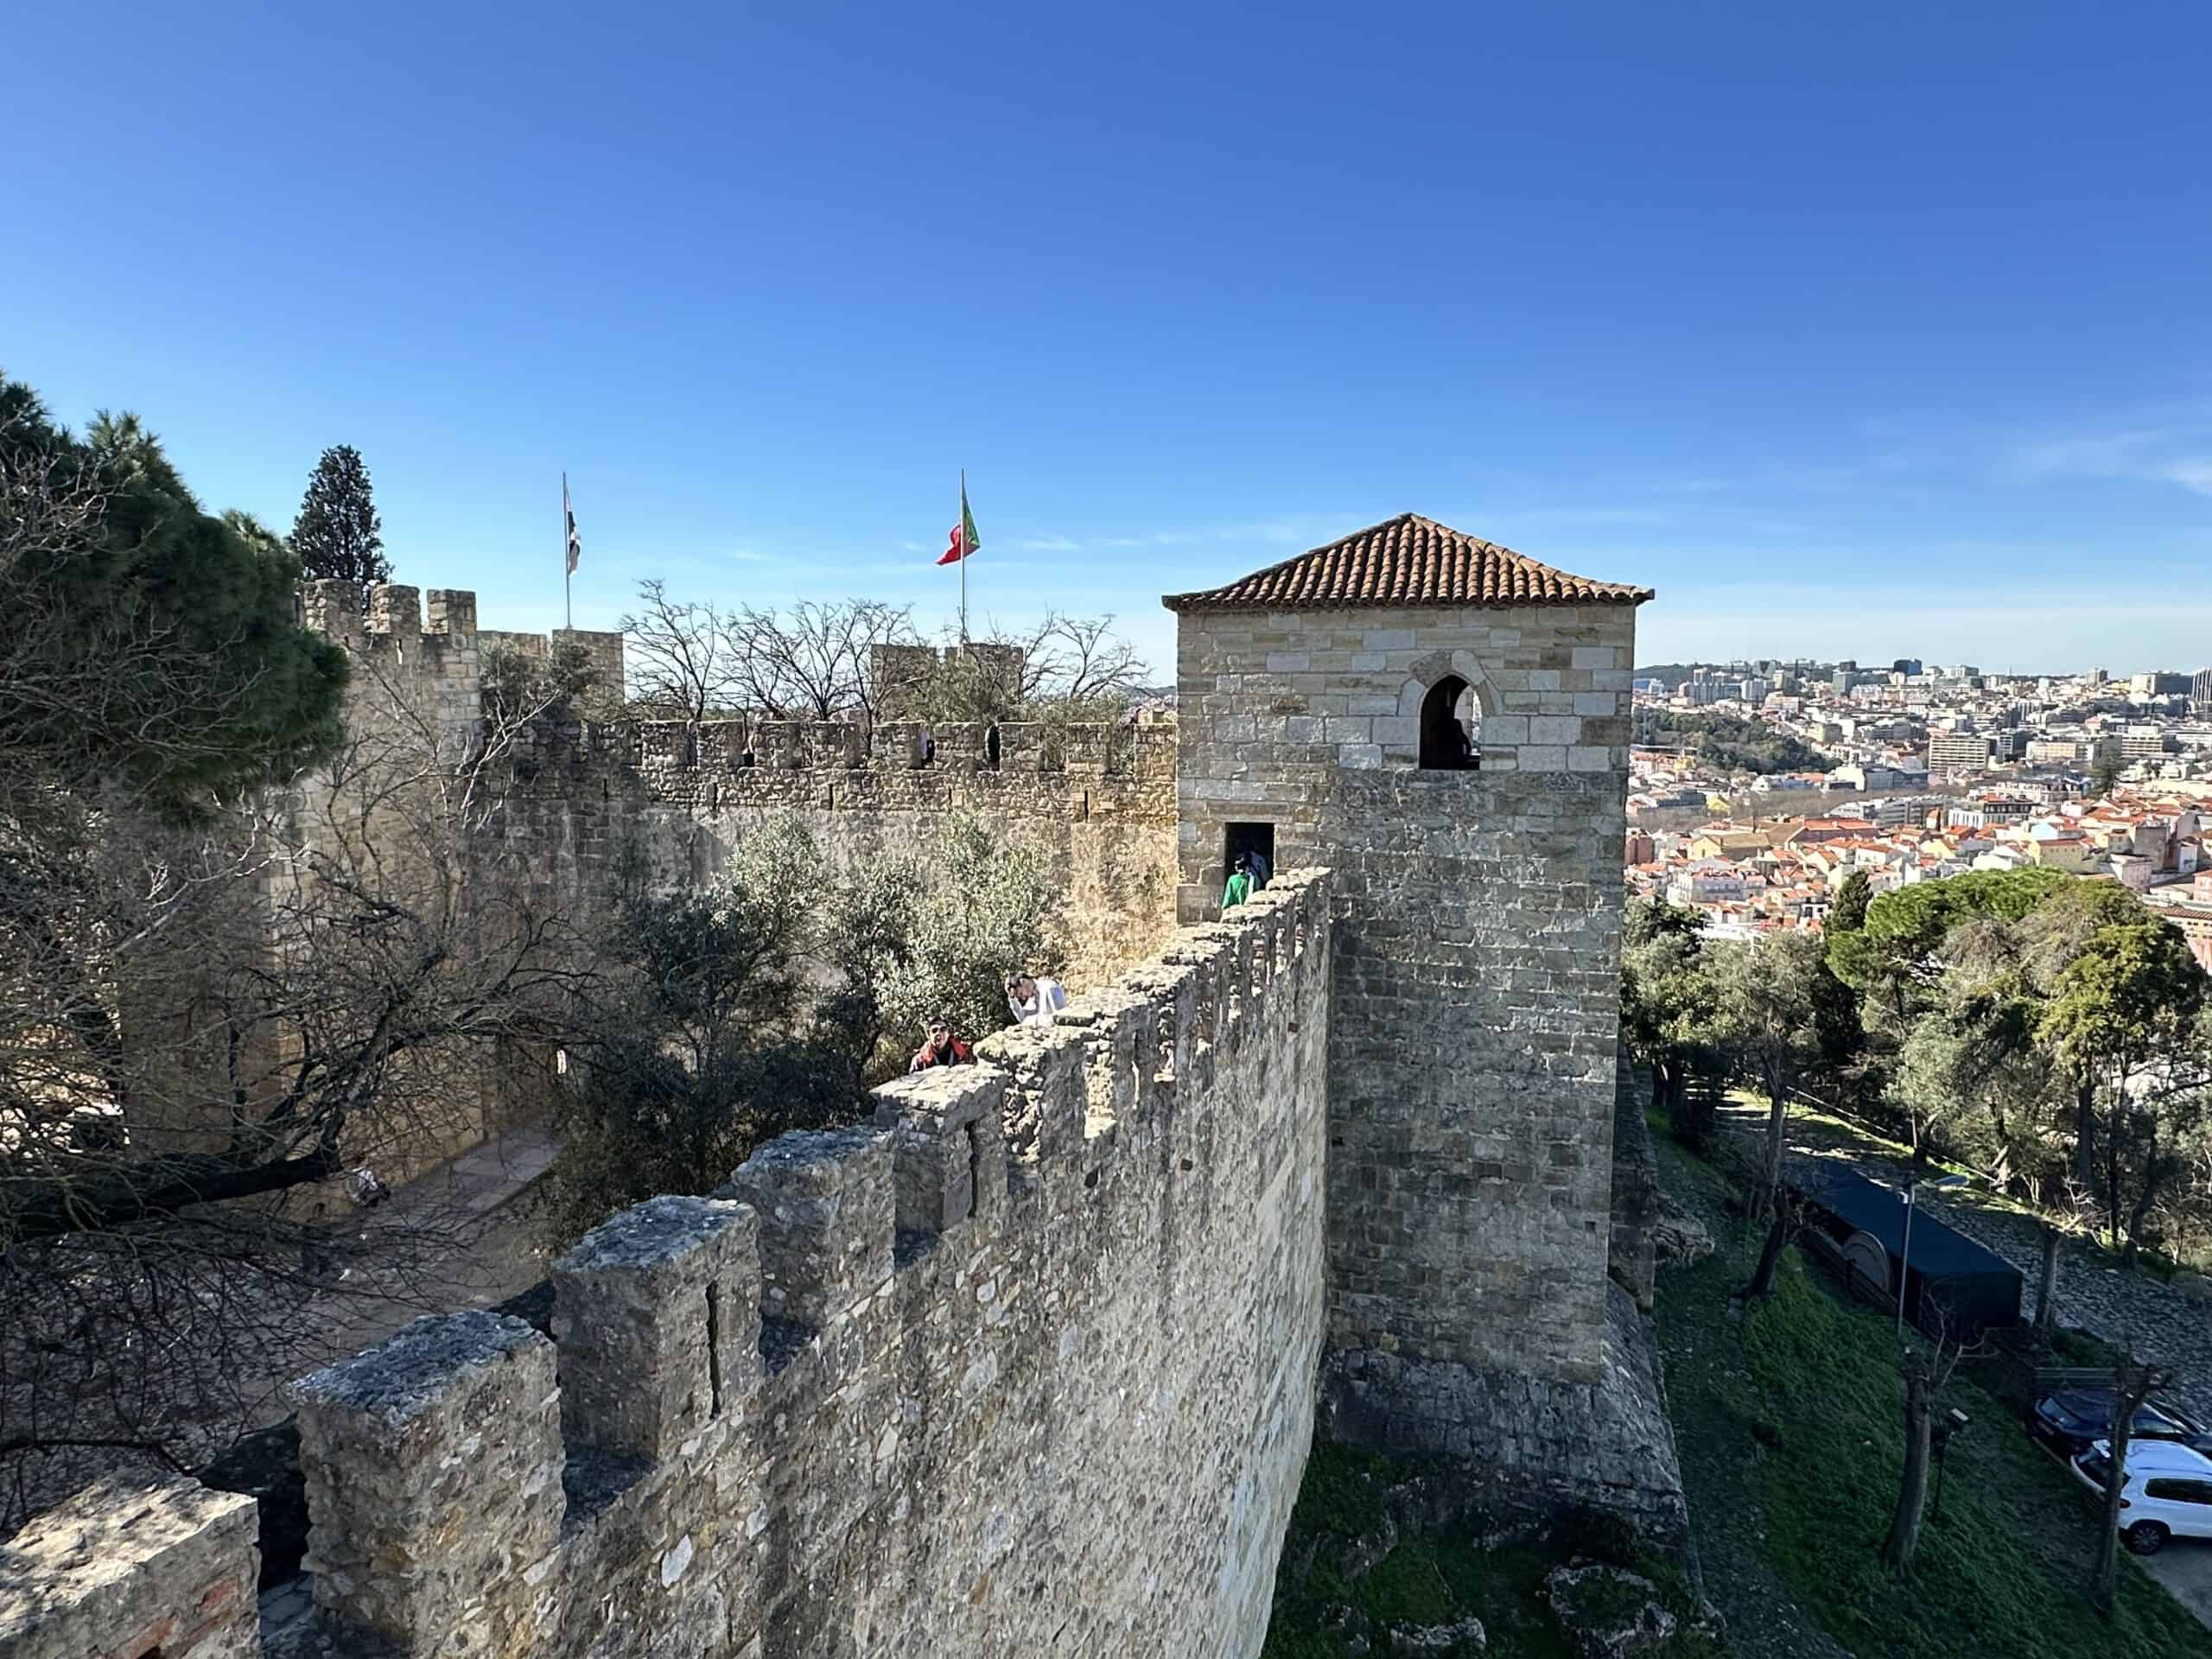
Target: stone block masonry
1026, 1364
125, 1572
1477, 1007
1100, 808
1098, 802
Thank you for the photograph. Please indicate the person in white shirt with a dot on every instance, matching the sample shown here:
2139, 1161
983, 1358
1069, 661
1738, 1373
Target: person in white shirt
1030, 997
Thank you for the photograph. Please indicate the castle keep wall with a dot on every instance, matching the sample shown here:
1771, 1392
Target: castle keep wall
1471, 1085
1026, 1365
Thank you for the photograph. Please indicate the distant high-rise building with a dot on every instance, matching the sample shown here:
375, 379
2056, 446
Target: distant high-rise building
2200, 691
2142, 742
1952, 752
1906, 665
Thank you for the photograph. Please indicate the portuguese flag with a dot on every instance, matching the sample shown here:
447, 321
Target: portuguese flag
964, 538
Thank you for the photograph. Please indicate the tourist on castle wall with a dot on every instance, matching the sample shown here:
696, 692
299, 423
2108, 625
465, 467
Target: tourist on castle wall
1240, 883
943, 1048
1033, 997
1255, 862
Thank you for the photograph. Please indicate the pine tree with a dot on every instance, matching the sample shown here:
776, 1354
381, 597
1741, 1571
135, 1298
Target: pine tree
1848, 913
338, 533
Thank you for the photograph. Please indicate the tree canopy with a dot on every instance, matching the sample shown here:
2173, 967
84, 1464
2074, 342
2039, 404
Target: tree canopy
151, 644
1730, 743
337, 534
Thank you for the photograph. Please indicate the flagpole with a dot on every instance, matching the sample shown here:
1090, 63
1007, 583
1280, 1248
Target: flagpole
568, 577
964, 558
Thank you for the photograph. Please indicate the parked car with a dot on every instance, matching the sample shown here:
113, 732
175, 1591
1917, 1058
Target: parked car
2071, 1420
2166, 1491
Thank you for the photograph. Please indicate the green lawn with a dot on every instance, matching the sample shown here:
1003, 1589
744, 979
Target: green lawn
1797, 1410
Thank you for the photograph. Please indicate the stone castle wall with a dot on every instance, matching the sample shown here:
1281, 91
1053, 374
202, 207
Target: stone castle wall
1027, 1365
1472, 1088
1098, 801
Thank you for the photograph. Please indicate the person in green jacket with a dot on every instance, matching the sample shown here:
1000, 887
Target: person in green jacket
1240, 884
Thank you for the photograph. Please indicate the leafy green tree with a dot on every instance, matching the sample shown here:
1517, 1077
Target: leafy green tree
337, 534
920, 934
699, 1048
2104, 776
1730, 743
1892, 960
1848, 913
1669, 1007
218, 991
2122, 1026
773, 999
1782, 1017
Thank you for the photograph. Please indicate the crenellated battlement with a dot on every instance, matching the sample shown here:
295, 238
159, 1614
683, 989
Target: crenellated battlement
406, 636
886, 1388
739, 761
414, 643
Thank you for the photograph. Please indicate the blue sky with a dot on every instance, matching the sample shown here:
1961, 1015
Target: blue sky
1871, 330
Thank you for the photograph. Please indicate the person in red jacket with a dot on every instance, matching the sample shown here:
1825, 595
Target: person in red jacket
942, 1049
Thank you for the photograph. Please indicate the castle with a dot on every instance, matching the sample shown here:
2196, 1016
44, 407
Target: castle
1031, 1360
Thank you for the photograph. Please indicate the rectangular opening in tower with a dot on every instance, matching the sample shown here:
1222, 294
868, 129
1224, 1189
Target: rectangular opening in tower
1240, 839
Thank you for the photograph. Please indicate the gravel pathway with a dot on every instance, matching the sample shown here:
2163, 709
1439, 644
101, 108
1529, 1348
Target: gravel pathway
2129, 1309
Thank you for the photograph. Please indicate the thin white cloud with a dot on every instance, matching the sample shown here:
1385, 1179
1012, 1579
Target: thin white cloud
2179, 453
1048, 544
1154, 538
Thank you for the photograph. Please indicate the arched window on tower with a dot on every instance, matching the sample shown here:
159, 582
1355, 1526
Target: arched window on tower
1450, 722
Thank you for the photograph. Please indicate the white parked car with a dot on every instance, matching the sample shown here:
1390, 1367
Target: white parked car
2167, 1491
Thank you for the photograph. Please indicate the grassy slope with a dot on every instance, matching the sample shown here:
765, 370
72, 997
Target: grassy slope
1997, 1575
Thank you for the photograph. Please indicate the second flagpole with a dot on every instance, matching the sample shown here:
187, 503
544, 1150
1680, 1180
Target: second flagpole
964, 558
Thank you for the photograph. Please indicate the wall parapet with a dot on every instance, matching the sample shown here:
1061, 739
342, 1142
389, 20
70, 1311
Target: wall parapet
813, 1413
410, 638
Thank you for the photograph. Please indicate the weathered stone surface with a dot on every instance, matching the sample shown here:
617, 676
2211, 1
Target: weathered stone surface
1437, 1638
1534, 1445
1074, 1421
657, 1320
1474, 1058
1679, 1239
434, 1465
1611, 1612
1029, 1361
122, 1570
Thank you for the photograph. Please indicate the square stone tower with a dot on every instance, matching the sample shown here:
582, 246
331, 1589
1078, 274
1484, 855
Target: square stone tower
1445, 723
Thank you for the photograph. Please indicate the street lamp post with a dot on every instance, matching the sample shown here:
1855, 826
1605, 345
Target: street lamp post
1904, 1253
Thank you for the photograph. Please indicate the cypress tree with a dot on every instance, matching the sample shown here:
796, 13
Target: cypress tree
1848, 913
338, 533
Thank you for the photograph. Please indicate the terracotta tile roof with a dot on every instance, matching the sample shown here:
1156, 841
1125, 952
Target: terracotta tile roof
1409, 560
